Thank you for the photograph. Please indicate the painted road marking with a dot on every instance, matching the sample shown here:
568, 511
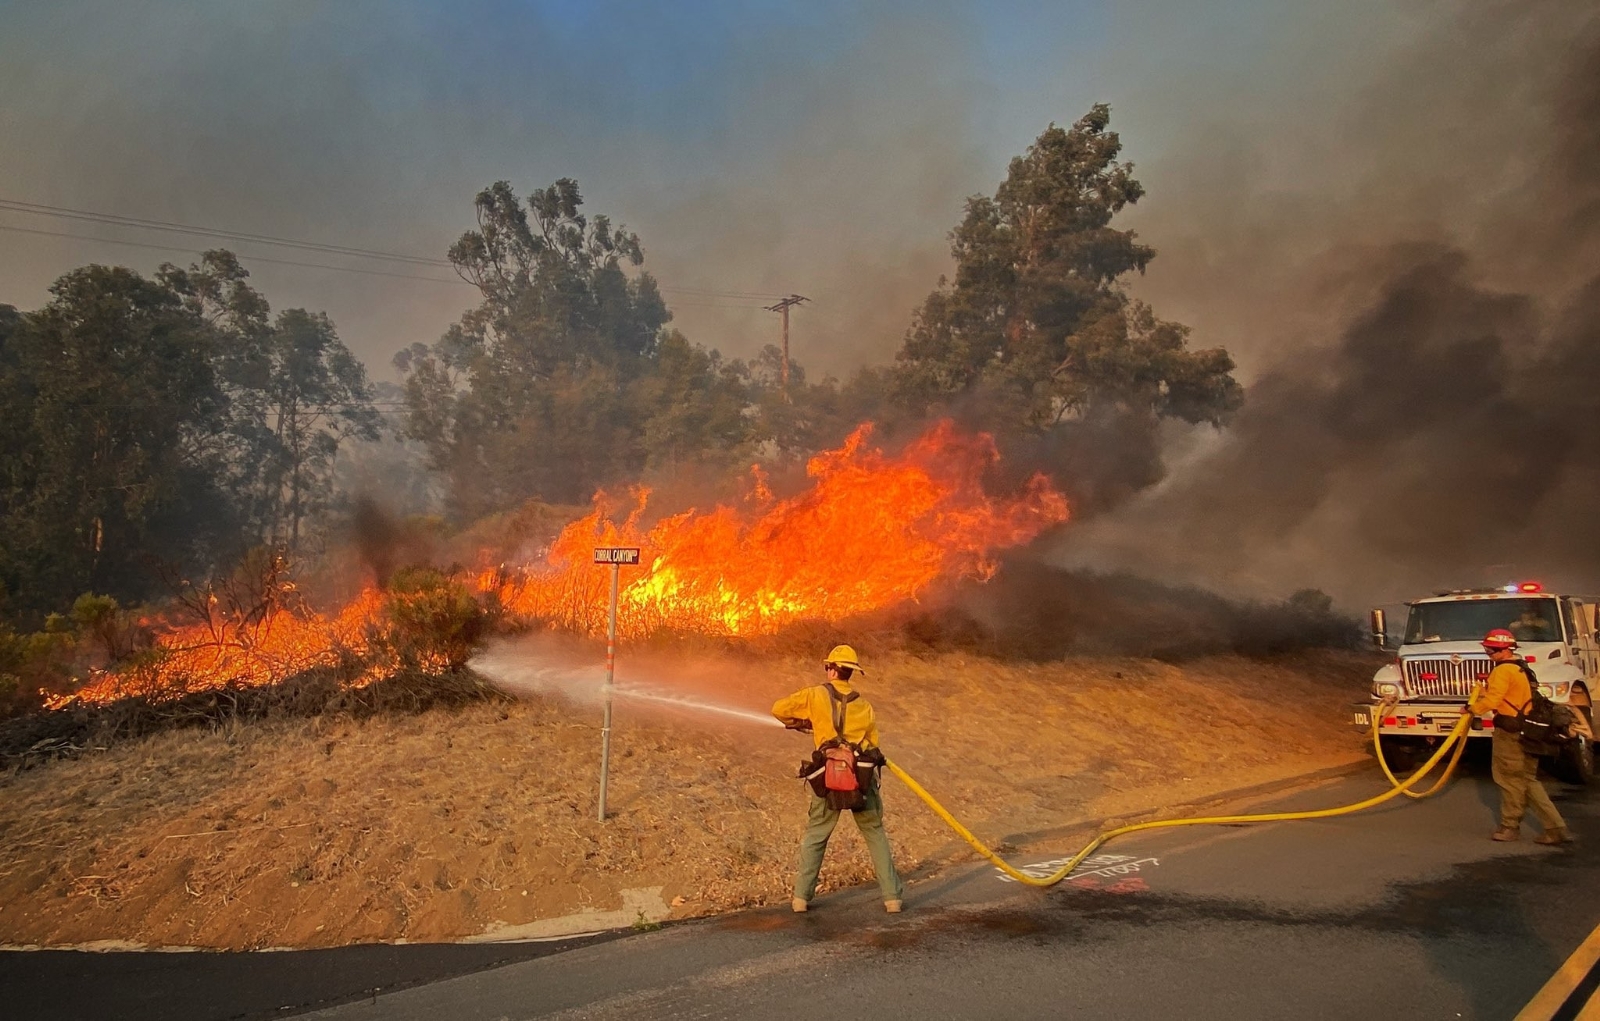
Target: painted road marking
1089, 871
1579, 970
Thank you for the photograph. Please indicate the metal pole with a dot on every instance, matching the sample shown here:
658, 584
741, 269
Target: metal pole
611, 669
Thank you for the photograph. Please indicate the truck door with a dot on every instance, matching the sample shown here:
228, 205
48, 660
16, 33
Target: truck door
1585, 613
1578, 618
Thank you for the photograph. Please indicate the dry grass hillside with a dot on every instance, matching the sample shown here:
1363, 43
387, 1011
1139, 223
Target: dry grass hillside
449, 823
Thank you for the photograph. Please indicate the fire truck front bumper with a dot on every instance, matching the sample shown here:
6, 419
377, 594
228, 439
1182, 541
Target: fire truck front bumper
1424, 719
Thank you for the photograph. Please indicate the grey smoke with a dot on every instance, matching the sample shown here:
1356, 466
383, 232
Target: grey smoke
1440, 428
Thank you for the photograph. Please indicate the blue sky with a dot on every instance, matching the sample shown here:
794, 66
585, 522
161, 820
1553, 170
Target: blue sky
823, 147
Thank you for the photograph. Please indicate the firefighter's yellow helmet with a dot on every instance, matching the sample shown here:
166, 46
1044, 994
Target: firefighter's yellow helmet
844, 655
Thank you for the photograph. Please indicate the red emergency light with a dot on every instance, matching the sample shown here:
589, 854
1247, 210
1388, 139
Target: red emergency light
1530, 586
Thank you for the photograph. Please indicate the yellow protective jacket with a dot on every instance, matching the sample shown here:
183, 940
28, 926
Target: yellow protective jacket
814, 706
1507, 691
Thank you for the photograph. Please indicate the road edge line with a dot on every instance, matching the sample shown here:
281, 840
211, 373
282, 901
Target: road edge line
1553, 994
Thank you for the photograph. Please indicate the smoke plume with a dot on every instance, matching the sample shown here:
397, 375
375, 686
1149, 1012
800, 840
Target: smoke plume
1431, 418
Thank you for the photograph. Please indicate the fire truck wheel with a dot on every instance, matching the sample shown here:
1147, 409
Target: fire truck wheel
1575, 764
1403, 754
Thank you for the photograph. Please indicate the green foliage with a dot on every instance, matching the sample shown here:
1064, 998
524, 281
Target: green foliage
565, 378
1035, 336
530, 393
435, 624
29, 663
110, 394
160, 427
642, 924
315, 395
790, 426
693, 404
97, 632
295, 394
104, 627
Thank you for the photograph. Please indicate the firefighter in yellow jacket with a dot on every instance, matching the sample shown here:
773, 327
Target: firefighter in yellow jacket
818, 709
1507, 693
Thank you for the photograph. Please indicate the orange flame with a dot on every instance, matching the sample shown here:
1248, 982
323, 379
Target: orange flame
226, 651
873, 530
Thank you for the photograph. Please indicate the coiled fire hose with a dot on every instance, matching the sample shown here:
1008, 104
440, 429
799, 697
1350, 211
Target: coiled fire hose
1456, 739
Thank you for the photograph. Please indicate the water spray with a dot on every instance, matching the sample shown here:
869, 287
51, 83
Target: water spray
685, 702
517, 674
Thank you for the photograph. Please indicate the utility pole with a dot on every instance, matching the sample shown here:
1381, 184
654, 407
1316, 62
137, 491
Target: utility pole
782, 308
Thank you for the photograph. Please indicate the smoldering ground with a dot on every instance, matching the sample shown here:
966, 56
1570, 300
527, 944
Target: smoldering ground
1443, 429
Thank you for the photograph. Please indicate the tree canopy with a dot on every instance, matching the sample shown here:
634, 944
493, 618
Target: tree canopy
177, 421
165, 424
294, 393
1035, 336
566, 377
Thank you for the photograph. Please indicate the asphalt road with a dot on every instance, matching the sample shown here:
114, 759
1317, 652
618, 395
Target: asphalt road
1408, 911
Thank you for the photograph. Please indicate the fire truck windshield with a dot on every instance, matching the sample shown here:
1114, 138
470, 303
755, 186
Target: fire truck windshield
1531, 620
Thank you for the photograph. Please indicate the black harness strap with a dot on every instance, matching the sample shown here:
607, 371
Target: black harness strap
838, 700
1533, 684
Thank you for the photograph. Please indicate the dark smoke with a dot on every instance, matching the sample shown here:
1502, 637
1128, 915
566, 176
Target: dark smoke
1449, 434
377, 537
385, 543
1031, 612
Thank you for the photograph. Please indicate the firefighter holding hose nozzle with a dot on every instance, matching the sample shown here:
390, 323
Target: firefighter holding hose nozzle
1509, 693
842, 772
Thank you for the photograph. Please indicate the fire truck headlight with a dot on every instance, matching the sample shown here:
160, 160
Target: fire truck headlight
1563, 689
1386, 689
1546, 690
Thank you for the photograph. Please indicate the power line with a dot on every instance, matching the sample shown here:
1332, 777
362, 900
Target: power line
120, 220
252, 258
232, 235
325, 266
717, 294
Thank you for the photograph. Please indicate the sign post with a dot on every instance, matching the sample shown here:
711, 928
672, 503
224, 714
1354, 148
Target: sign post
616, 556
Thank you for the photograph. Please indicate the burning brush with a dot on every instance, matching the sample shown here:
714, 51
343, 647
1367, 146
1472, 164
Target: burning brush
872, 530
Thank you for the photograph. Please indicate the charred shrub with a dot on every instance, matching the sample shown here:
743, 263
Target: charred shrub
40, 737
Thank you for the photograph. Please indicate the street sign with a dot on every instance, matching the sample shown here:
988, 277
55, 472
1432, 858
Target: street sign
616, 554
614, 557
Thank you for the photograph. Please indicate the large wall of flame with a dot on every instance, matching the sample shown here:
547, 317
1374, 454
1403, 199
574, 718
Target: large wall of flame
871, 530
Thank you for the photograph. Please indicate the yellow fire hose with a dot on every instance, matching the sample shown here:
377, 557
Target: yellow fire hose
1456, 740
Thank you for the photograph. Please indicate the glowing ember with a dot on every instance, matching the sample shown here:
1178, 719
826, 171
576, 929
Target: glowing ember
873, 530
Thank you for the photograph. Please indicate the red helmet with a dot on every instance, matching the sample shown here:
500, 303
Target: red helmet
1499, 639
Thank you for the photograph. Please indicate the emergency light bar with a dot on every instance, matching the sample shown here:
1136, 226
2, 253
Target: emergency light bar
1522, 587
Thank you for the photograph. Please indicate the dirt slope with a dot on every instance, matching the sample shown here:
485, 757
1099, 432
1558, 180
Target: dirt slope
444, 825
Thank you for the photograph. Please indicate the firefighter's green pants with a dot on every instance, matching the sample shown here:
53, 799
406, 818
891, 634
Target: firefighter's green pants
820, 827
1516, 773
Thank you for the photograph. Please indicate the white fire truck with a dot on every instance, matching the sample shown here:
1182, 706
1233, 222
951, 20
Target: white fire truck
1440, 661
